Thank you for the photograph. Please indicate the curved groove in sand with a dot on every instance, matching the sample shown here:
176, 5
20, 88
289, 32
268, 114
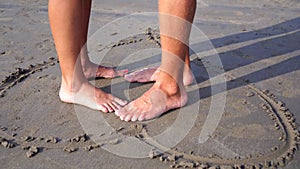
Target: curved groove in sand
285, 153
21, 74
283, 117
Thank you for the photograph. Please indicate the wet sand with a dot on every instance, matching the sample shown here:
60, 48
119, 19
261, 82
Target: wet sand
257, 43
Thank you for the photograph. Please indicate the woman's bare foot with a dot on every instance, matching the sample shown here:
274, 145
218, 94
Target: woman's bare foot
163, 96
142, 75
150, 75
92, 70
89, 96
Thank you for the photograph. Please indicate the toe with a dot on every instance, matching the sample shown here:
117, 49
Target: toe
129, 77
118, 112
112, 106
128, 117
121, 112
134, 117
109, 75
110, 109
102, 108
141, 117
120, 102
122, 117
116, 105
106, 72
121, 73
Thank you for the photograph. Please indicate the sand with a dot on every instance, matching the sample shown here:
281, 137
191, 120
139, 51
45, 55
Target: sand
258, 45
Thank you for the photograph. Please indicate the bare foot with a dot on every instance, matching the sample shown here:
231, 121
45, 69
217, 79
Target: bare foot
150, 75
143, 75
92, 70
89, 96
156, 101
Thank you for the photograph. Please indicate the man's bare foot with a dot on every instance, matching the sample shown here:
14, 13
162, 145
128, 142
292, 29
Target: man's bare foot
150, 75
89, 96
156, 101
92, 70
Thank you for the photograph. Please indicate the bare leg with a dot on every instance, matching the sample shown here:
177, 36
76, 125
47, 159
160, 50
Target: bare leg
168, 91
150, 74
67, 25
90, 69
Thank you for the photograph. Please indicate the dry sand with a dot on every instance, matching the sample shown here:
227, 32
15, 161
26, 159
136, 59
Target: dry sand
258, 44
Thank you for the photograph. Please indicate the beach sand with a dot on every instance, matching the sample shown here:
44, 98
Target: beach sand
243, 104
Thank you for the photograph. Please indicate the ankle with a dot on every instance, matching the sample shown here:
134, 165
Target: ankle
168, 84
71, 86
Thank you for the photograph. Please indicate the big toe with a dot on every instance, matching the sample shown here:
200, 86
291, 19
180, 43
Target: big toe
120, 101
124, 112
102, 108
120, 112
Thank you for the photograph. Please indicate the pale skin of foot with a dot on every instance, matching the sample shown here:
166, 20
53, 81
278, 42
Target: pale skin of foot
69, 21
150, 74
168, 90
